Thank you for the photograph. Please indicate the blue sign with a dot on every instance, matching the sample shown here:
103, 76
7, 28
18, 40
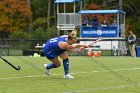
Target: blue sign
109, 31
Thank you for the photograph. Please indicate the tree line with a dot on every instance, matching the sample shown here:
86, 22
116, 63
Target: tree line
35, 18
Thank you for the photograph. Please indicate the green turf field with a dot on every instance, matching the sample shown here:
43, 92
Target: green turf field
92, 75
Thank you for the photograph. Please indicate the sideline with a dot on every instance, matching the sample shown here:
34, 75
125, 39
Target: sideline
101, 88
22, 77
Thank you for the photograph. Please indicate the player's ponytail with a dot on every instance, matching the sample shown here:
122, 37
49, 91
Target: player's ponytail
74, 32
72, 35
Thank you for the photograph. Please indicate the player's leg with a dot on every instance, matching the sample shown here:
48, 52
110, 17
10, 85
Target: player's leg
55, 63
130, 49
64, 56
133, 50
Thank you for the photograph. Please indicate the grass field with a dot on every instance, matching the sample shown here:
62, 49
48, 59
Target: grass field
92, 75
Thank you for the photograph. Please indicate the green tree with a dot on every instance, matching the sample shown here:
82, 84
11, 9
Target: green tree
14, 15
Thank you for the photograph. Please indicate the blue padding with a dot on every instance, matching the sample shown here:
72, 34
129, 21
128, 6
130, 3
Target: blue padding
100, 11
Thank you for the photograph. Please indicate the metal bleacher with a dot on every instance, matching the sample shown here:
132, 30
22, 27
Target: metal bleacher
68, 21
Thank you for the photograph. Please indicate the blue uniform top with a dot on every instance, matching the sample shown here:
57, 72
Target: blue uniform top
133, 38
51, 48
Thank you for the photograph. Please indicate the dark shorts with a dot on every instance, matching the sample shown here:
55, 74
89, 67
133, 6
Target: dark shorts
53, 55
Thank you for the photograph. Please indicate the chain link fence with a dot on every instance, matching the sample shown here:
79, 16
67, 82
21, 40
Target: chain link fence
27, 47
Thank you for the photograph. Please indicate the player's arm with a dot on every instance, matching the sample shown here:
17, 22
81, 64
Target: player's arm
77, 46
73, 50
65, 45
90, 44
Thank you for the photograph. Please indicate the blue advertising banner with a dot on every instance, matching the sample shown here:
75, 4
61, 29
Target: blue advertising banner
108, 31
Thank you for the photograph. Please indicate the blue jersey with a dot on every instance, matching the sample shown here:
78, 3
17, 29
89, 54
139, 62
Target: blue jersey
132, 38
51, 48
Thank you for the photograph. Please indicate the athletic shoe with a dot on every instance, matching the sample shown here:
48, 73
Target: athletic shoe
47, 72
68, 76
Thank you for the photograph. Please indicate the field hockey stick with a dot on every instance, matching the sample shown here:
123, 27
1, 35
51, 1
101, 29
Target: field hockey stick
81, 49
16, 68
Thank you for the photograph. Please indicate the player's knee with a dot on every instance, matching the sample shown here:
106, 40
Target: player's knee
58, 65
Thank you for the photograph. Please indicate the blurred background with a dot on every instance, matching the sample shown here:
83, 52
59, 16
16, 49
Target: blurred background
26, 23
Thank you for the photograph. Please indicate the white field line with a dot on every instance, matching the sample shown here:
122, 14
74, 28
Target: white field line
101, 88
22, 77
